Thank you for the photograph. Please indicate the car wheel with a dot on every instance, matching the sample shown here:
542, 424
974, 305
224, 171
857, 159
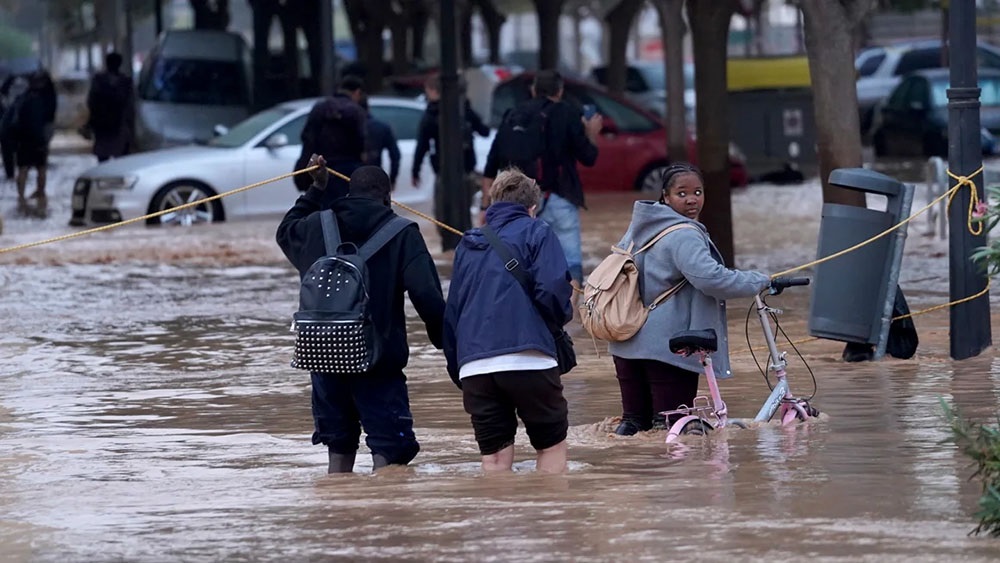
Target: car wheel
179, 193
651, 181
879, 144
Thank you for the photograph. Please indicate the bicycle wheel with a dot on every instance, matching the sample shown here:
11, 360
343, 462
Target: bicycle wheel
696, 428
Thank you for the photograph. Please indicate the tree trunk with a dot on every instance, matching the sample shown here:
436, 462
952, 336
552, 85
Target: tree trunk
211, 15
290, 52
420, 18
548, 29
710, 33
493, 19
263, 15
829, 32
619, 21
399, 24
367, 19
464, 34
672, 30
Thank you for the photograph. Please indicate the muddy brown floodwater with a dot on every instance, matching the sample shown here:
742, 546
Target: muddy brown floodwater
148, 413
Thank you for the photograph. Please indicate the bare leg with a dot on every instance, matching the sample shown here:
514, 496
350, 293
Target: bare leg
40, 183
552, 460
500, 461
22, 182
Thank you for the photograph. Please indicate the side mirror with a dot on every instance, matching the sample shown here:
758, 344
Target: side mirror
219, 130
276, 141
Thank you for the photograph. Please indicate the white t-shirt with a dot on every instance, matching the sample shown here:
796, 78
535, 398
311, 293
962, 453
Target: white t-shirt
530, 360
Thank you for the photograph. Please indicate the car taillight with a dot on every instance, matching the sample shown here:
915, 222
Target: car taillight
502, 74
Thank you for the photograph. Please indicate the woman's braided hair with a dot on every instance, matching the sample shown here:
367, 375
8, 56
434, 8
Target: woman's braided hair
674, 171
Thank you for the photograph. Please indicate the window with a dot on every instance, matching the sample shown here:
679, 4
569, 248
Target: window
405, 122
987, 59
917, 60
293, 129
900, 96
869, 63
251, 127
626, 118
919, 93
989, 96
505, 97
195, 81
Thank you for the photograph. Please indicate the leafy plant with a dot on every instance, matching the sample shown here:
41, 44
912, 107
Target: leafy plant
981, 443
988, 216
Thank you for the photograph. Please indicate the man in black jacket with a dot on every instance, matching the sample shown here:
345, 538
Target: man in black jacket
380, 138
335, 130
449, 207
376, 400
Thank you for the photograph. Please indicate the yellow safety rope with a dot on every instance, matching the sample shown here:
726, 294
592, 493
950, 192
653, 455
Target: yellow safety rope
973, 199
110, 226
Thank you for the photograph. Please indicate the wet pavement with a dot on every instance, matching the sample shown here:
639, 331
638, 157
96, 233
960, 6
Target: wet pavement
148, 413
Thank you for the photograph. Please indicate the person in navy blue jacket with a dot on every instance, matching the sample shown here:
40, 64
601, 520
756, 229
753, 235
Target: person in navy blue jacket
499, 348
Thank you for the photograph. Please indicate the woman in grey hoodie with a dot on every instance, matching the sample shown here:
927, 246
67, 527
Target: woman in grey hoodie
652, 379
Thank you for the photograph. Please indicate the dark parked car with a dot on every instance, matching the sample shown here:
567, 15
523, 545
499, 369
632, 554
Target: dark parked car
914, 120
633, 144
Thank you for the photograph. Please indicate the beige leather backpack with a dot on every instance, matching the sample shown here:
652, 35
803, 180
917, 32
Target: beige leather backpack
612, 308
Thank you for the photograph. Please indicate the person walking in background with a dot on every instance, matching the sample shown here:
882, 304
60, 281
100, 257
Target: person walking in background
651, 377
497, 338
111, 103
568, 139
379, 137
450, 210
33, 126
10, 97
377, 399
335, 130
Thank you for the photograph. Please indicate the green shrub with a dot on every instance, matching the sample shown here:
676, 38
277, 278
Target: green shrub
981, 443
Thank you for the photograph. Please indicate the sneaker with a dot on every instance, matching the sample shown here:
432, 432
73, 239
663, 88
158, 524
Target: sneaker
628, 427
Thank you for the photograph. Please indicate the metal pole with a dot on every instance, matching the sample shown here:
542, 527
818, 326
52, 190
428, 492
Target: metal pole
326, 48
450, 132
970, 321
158, 12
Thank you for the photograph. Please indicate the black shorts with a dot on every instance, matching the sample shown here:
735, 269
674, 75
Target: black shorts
495, 400
32, 155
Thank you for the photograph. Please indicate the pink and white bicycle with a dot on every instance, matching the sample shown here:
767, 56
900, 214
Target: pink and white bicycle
710, 413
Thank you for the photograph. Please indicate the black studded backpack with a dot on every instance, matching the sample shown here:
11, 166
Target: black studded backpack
335, 330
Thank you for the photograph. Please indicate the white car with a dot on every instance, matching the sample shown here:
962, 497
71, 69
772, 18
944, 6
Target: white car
263, 146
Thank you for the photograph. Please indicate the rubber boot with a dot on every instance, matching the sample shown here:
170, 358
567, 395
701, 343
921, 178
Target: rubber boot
659, 422
378, 462
628, 427
341, 463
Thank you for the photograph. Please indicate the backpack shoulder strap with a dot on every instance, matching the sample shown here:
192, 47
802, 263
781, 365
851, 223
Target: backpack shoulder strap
664, 233
331, 232
382, 236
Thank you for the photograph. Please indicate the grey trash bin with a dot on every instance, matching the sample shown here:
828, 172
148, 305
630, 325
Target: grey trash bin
853, 294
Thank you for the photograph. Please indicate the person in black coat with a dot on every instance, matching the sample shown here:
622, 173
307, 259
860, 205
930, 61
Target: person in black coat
379, 138
111, 103
335, 130
33, 126
377, 399
450, 206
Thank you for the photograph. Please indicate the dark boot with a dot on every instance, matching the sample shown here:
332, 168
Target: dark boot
341, 463
854, 352
628, 427
378, 462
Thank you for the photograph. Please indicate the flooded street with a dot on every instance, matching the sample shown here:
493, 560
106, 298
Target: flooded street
148, 413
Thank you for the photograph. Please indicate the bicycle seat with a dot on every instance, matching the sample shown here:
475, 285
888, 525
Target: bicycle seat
694, 340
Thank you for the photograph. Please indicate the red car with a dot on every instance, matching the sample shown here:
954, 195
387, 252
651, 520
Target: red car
632, 147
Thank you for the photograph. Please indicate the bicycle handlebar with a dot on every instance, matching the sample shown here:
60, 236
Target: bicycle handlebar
780, 284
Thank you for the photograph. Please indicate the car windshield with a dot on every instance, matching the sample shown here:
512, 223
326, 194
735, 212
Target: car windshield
868, 62
195, 81
249, 128
989, 96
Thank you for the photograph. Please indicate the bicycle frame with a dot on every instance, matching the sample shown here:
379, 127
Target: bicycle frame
781, 397
701, 408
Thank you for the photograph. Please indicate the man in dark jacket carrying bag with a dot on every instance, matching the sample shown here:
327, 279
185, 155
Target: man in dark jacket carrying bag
377, 399
497, 338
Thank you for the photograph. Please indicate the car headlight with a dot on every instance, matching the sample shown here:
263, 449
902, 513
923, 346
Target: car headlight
115, 183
